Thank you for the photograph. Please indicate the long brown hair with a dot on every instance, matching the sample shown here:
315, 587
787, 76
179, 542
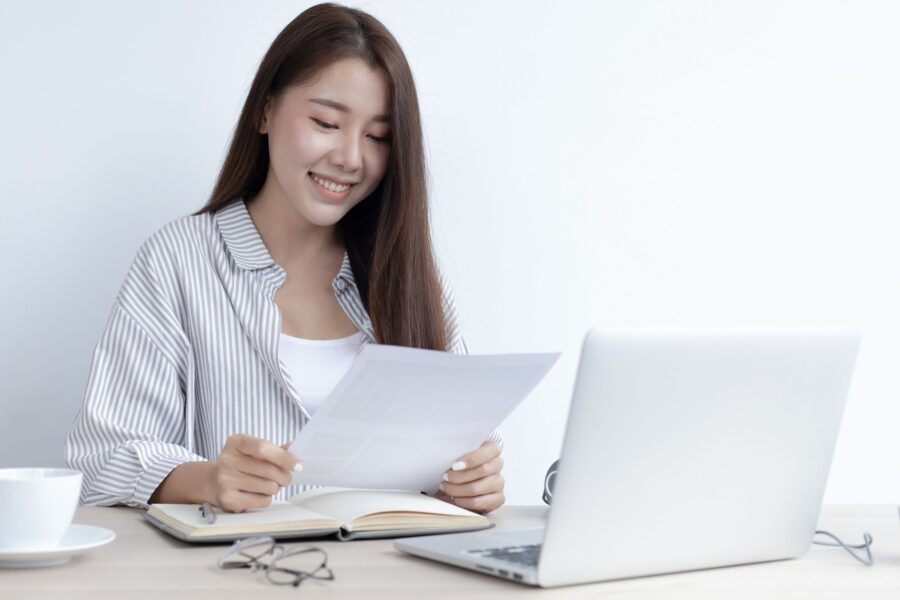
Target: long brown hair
387, 235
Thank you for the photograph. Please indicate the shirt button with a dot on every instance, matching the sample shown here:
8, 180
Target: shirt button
341, 284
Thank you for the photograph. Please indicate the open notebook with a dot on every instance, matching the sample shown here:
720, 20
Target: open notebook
347, 513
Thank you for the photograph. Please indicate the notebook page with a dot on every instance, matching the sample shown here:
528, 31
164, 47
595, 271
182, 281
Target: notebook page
347, 505
278, 512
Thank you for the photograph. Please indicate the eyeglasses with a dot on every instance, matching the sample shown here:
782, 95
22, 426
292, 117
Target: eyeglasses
285, 566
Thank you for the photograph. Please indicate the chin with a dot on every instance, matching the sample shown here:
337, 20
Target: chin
326, 216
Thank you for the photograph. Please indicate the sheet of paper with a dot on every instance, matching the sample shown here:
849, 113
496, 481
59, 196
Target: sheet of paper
401, 416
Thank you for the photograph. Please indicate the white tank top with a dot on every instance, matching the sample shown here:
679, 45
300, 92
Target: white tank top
315, 366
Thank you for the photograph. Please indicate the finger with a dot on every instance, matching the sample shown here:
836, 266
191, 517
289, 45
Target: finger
298, 467
266, 450
489, 468
481, 504
479, 487
487, 451
442, 496
259, 468
243, 482
238, 501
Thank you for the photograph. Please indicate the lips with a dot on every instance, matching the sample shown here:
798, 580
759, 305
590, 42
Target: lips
329, 190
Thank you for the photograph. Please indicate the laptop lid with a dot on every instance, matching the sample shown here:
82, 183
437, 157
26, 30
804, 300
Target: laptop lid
691, 449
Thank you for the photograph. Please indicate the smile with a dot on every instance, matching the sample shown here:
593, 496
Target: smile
330, 185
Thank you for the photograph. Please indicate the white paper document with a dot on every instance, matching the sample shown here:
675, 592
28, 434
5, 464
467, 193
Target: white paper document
401, 416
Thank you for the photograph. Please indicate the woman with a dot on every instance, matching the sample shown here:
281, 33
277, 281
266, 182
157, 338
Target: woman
233, 324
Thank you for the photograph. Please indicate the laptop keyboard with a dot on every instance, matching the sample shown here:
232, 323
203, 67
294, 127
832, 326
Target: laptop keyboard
522, 555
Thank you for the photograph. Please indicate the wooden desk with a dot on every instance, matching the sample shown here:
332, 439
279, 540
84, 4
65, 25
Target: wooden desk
143, 562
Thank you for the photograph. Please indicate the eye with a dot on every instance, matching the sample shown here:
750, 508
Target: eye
374, 138
323, 124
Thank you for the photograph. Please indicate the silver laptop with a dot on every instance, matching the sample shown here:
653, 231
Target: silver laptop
684, 450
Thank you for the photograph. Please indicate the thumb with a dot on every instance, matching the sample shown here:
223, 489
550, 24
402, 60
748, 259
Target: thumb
297, 467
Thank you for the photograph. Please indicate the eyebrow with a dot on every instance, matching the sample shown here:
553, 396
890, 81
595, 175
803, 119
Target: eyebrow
346, 109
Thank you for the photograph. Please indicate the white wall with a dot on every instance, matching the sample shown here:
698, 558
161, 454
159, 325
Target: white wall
624, 163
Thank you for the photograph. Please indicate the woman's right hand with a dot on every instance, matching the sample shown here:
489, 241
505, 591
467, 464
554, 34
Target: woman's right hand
248, 472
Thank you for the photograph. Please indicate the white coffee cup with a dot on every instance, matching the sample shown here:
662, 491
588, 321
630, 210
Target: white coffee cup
36, 506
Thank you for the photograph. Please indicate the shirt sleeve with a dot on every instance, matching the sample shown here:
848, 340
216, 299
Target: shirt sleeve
128, 435
457, 343
125, 438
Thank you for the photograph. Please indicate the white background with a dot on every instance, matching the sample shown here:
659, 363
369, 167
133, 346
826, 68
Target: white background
620, 163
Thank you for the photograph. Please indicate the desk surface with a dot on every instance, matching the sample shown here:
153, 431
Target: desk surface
144, 562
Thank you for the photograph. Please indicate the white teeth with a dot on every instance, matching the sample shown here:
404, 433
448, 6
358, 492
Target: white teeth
331, 186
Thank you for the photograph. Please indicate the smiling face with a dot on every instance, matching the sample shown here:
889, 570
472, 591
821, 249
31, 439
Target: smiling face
329, 140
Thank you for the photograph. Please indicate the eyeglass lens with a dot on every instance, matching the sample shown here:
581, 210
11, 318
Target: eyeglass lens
293, 565
246, 553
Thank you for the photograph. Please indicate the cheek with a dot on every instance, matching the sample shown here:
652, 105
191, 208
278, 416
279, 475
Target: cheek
296, 148
377, 164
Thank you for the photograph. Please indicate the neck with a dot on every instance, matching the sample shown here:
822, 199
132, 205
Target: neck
289, 237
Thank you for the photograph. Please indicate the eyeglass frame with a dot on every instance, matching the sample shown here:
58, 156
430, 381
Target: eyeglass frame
255, 563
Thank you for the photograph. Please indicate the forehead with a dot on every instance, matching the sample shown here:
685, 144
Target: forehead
361, 89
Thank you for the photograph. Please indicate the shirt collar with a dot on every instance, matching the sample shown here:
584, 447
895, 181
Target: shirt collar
241, 237
247, 247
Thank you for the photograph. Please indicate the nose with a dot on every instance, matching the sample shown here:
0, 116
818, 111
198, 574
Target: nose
348, 156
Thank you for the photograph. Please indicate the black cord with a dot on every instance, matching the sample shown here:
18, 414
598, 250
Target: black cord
867, 546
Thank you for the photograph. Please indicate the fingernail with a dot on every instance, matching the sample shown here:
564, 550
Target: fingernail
441, 487
458, 466
446, 478
298, 468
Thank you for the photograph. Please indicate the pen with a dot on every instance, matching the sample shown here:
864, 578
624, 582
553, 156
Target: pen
207, 512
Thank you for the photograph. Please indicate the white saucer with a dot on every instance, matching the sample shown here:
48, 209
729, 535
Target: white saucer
77, 539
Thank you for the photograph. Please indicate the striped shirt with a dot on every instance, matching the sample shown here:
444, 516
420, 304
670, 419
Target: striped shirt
190, 356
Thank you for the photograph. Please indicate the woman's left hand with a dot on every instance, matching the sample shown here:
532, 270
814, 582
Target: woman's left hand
474, 481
